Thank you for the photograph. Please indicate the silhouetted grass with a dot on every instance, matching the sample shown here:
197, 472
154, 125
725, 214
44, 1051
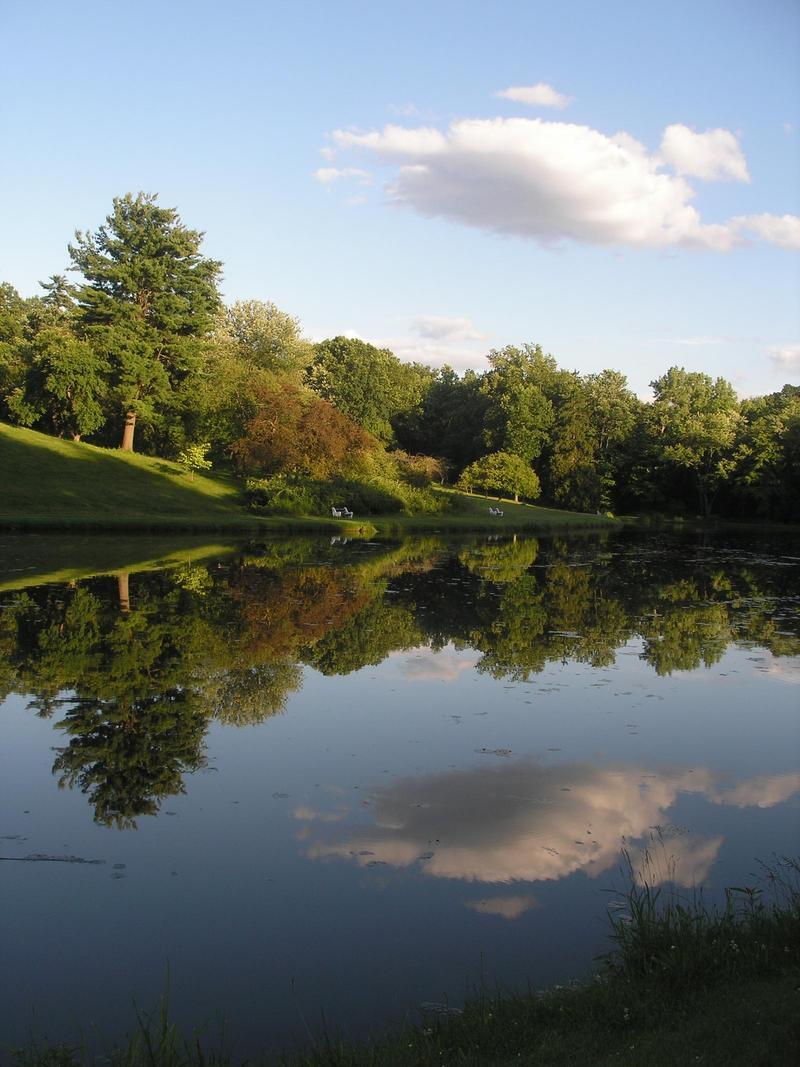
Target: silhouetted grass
683, 984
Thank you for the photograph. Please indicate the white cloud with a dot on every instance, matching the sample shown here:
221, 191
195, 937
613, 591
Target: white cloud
781, 230
692, 342
555, 181
441, 328
788, 127
713, 156
328, 153
546, 181
785, 358
326, 175
539, 95
433, 353
405, 110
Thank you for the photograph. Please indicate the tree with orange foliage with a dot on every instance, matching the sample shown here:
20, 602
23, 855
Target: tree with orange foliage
295, 432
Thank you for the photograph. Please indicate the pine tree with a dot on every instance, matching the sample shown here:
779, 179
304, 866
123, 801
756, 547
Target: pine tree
148, 299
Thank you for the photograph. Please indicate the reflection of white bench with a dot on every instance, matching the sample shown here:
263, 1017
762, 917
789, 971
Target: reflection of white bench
495, 511
341, 513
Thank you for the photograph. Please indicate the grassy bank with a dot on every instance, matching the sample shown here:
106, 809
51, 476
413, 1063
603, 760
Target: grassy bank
683, 984
470, 511
50, 484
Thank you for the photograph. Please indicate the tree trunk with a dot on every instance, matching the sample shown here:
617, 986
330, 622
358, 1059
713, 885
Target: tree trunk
124, 594
705, 499
75, 436
516, 498
127, 433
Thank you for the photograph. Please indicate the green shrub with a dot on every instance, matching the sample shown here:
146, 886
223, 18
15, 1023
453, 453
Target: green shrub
294, 495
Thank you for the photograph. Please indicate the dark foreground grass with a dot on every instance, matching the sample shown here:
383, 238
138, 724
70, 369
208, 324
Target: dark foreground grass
684, 984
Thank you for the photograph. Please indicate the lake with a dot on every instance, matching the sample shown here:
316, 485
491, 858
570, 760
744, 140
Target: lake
319, 777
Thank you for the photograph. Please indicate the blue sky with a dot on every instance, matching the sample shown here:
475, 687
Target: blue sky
353, 163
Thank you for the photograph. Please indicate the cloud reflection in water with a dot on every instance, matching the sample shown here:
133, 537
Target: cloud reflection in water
521, 821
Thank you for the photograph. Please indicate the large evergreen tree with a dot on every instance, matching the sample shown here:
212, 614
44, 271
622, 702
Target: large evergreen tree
148, 299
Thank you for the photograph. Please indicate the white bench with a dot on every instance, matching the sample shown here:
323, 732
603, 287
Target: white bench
495, 511
341, 513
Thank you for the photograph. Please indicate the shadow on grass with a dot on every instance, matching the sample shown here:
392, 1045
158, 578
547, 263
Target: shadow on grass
46, 476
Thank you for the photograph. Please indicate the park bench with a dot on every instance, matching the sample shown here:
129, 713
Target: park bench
341, 513
495, 511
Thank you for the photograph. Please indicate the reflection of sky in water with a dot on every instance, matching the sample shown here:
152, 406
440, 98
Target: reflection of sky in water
521, 822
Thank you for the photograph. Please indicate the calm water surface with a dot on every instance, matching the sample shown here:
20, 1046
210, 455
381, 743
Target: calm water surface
354, 777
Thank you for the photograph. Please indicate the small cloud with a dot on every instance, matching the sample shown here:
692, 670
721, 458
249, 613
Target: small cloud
406, 111
713, 156
433, 353
356, 201
786, 669
328, 153
780, 230
785, 358
505, 907
788, 127
692, 342
539, 95
441, 328
305, 813
444, 666
326, 175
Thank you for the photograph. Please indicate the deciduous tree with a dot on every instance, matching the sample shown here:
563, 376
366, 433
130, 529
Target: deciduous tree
65, 384
266, 337
295, 431
501, 472
694, 419
368, 384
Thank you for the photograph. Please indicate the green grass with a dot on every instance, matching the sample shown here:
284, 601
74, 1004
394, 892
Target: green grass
50, 484
470, 511
47, 482
684, 984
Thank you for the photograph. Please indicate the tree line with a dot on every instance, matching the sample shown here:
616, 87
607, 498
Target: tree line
140, 350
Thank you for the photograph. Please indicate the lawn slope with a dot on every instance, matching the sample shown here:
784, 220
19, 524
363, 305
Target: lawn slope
47, 482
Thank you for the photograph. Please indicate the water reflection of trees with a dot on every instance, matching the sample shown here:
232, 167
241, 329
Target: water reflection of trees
136, 669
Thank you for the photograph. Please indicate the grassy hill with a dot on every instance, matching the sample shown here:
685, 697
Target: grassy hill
47, 482
50, 484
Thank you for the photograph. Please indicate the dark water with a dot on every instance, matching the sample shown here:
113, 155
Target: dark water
355, 777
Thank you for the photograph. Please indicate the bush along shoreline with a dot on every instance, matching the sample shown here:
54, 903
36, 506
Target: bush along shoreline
684, 983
